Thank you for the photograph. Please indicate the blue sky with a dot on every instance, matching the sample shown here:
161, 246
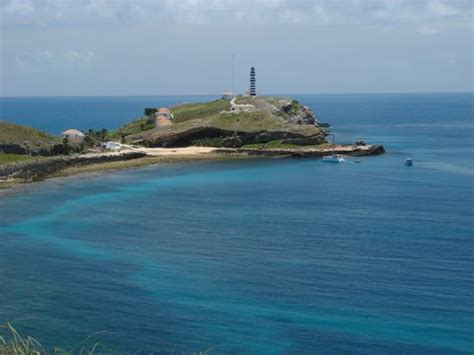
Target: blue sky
153, 47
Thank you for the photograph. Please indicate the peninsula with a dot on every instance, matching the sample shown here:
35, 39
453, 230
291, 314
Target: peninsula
227, 128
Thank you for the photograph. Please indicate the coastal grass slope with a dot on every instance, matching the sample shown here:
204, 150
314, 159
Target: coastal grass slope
194, 111
19, 139
221, 129
181, 113
231, 124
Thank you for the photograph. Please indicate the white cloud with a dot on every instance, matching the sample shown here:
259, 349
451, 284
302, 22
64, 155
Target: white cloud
74, 56
427, 30
319, 12
18, 8
440, 8
37, 61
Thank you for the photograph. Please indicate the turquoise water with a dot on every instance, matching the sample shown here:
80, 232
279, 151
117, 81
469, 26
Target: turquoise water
261, 256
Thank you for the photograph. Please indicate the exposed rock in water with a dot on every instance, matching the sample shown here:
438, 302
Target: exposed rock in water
350, 150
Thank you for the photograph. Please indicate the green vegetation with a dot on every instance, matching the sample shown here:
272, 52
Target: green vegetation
19, 139
15, 158
13, 133
94, 138
180, 113
293, 108
186, 112
150, 111
26, 138
260, 101
191, 121
140, 125
15, 344
12, 343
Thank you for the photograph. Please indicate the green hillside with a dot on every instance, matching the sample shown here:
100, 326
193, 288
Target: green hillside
193, 111
19, 139
213, 123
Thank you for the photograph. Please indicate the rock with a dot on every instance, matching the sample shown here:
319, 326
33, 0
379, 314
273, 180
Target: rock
228, 139
39, 169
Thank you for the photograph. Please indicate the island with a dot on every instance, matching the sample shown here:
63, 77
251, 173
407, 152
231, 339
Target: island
232, 127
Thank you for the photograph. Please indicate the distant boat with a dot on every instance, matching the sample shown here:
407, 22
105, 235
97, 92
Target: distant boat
409, 162
333, 159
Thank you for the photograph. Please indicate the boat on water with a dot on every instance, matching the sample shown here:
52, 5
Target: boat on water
333, 159
409, 161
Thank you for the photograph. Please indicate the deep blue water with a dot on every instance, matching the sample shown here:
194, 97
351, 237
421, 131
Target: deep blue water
261, 256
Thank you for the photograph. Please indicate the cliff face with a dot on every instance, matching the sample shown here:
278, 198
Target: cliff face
265, 119
217, 137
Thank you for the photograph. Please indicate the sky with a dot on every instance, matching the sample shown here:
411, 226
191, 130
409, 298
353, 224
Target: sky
173, 47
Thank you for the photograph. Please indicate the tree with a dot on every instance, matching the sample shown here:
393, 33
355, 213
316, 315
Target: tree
103, 134
149, 111
67, 147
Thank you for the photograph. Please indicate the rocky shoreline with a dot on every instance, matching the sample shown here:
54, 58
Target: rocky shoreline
25, 172
349, 150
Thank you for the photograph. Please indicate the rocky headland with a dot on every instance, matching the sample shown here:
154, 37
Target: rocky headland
221, 129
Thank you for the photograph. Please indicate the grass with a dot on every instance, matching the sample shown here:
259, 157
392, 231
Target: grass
6, 158
15, 344
267, 116
260, 100
142, 124
246, 121
181, 113
187, 112
11, 133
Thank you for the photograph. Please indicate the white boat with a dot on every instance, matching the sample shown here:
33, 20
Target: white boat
333, 159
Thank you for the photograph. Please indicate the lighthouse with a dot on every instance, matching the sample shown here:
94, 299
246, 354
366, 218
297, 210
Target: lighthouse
253, 91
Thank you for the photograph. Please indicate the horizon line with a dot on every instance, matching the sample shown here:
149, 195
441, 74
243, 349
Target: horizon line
269, 94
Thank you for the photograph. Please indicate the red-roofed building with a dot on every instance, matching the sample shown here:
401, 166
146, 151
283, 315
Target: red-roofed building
163, 117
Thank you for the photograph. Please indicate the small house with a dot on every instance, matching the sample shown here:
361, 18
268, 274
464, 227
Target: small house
73, 134
163, 112
163, 117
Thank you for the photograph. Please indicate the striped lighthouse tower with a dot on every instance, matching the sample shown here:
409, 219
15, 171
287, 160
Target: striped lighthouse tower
253, 90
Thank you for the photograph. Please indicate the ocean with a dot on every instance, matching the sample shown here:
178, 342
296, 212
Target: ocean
261, 256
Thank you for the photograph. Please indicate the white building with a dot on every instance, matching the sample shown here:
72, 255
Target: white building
228, 95
73, 134
112, 145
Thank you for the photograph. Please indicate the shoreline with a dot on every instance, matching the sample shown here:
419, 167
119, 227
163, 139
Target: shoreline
97, 169
19, 174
